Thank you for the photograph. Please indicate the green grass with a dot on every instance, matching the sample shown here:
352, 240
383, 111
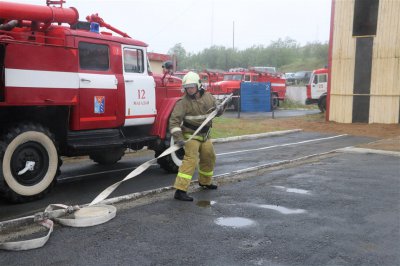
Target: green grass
320, 117
224, 127
290, 104
230, 127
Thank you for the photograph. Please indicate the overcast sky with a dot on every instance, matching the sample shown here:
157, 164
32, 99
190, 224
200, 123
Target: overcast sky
200, 24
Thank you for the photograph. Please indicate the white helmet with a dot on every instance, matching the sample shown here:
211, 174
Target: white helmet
191, 79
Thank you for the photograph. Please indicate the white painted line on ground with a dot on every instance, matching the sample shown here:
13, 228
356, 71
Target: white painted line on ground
220, 140
227, 153
101, 172
282, 145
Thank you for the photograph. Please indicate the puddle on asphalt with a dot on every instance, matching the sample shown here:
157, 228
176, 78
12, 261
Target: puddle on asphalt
205, 203
234, 222
280, 209
294, 190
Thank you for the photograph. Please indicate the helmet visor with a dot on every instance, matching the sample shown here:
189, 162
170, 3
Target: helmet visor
190, 85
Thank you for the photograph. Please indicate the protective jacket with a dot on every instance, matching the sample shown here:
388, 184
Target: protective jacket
189, 113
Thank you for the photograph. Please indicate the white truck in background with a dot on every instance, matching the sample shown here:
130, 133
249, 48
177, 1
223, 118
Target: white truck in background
317, 88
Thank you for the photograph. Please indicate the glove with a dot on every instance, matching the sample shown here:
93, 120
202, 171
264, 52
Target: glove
178, 136
180, 143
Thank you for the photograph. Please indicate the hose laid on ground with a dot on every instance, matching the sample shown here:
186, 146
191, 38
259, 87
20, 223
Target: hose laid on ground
141, 168
89, 215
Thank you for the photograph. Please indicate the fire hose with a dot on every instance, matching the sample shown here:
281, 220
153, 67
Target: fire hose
85, 215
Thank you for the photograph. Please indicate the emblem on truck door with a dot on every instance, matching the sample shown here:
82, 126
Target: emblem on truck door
99, 104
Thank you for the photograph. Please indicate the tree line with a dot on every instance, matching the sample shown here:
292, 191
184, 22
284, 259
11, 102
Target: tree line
287, 55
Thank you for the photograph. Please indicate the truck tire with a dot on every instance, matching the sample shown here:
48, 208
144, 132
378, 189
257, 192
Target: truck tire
322, 103
108, 157
170, 162
28, 143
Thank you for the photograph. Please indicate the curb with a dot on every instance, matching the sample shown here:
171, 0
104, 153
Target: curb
368, 151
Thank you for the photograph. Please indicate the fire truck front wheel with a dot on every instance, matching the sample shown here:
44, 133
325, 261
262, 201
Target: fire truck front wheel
29, 163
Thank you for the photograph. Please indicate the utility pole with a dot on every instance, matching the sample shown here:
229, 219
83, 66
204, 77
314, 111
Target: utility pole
233, 36
212, 23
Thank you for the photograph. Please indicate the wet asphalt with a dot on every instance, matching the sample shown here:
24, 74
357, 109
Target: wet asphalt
342, 209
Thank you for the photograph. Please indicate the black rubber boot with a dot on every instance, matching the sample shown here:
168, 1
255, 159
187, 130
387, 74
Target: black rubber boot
182, 195
212, 186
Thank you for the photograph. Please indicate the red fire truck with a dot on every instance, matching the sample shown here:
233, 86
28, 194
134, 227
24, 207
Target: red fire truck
67, 89
210, 76
207, 76
231, 84
180, 74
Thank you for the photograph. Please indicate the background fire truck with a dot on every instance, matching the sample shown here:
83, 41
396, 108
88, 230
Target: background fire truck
207, 76
67, 89
317, 88
231, 84
210, 76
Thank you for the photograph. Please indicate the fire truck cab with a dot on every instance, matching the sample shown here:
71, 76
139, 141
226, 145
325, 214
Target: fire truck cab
68, 90
210, 76
317, 88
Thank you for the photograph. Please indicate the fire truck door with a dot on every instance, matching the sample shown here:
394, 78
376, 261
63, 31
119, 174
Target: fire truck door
97, 87
319, 85
140, 98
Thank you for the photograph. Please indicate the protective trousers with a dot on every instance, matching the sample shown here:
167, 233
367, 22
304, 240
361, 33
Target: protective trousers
196, 152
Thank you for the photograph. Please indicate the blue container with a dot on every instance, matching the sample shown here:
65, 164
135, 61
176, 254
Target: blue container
255, 96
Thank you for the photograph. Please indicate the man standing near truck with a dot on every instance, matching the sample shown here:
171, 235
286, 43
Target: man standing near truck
188, 114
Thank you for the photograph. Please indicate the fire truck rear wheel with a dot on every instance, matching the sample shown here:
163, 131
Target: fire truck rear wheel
108, 157
170, 162
28, 144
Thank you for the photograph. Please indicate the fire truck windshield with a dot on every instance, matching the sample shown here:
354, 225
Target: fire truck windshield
233, 77
271, 70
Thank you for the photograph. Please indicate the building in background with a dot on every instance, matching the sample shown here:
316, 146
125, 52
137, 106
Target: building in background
156, 61
364, 62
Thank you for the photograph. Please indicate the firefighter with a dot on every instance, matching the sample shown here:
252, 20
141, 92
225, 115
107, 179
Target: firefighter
188, 114
168, 67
